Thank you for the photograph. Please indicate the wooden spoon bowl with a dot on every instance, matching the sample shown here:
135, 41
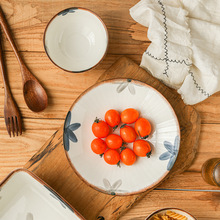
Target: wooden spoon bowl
35, 96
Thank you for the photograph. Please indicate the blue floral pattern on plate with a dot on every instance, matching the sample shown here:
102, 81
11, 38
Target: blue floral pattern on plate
68, 132
171, 153
68, 10
131, 88
112, 189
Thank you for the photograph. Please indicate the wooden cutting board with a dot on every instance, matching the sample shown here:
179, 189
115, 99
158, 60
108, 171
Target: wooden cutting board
51, 165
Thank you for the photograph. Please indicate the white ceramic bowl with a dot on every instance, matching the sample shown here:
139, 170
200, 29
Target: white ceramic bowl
176, 210
76, 39
120, 94
23, 196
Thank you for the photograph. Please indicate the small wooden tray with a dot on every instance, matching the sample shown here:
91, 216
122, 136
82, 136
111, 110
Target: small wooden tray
51, 165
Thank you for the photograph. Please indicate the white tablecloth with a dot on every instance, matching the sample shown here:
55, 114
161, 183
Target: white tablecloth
185, 48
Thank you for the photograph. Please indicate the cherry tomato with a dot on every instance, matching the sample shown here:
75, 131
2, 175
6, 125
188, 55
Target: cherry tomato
113, 141
129, 116
98, 146
128, 156
100, 128
128, 133
112, 157
142, 148
112, 117
142, 127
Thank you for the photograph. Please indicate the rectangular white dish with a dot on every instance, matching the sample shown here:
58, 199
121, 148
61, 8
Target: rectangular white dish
23, 196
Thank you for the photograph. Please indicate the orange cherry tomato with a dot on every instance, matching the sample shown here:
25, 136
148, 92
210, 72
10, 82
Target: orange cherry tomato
129, 116
142, 127
128, 156
112, 157
98, 146
100, 128
142, 148
113, 141
112, 117
128, 133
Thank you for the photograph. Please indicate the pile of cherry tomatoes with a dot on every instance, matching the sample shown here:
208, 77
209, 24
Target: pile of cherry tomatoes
134, 129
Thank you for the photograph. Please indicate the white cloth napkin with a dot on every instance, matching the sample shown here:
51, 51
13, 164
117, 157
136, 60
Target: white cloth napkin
185, 48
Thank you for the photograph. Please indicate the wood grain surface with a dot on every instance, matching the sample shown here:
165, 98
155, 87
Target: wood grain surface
28, 19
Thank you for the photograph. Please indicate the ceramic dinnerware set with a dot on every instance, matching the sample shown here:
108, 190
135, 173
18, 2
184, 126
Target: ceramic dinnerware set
76, 40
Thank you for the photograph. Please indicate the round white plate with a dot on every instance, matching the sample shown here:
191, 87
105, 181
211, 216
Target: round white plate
120, 94
76, 39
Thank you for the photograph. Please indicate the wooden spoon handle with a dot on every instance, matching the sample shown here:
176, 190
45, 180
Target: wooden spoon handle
3, 70
7, 32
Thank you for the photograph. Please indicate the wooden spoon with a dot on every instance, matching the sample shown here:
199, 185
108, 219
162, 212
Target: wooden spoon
34, 94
